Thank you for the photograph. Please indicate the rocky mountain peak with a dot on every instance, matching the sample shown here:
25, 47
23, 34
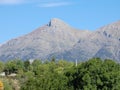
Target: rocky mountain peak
54, 22
111, 30
115, 25
54, 25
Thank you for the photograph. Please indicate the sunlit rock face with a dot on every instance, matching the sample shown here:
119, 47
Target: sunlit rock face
62, 41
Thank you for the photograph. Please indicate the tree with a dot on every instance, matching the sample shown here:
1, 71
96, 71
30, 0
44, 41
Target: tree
1, 66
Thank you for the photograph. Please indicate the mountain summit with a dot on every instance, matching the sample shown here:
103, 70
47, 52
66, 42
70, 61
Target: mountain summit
54, 37
56, 22
60, 40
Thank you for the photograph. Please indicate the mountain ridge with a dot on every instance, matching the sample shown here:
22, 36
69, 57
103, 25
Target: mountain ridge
64, 42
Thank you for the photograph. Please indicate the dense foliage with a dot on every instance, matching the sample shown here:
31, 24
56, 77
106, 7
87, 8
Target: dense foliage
94, 74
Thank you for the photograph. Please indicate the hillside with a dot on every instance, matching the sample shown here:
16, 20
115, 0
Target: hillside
60, 40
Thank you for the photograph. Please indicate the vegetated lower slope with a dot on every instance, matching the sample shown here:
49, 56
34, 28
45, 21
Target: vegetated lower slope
58, 39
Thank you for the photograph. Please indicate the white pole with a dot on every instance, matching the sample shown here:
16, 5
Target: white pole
76, 62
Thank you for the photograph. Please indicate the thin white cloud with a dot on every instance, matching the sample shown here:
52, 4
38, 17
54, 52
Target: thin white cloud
42, 3
11, 1
54, 4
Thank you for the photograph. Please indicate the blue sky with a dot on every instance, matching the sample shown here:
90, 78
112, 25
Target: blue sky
19, 17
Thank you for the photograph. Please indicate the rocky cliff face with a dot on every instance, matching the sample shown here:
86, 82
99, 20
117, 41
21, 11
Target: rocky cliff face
56, 36
110, 36
60, 40
103, 43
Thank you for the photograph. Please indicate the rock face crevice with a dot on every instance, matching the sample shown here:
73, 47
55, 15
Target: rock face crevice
62, 41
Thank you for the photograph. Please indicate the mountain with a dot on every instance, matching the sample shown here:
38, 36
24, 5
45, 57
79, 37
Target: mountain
58, 39
56, 36
103, 43
110, 35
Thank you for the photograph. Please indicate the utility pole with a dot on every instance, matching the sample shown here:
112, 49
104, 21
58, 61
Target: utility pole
76, 62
